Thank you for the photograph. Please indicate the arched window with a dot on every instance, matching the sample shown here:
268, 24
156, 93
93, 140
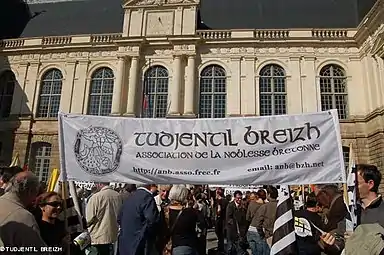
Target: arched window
213, 92
273, 91
101, 92
41, 159
7, 87
50, 94
155, 92
333, 89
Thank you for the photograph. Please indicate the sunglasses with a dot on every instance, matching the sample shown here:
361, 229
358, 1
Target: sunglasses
54, 204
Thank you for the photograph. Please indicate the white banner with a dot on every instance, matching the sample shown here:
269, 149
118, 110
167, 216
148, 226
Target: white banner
285, 150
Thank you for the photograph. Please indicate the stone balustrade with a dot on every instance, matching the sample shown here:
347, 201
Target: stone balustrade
271, 34
208, 35
215, 34
56, 40
107, 38
328, 33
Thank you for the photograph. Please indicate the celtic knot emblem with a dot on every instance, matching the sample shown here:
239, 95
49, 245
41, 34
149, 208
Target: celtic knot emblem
98, 150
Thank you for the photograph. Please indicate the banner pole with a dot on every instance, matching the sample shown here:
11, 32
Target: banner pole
64, 195
63, 174
302, 194
350, 162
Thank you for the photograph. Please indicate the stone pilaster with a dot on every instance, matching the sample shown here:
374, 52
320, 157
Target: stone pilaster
132, 86
190, 85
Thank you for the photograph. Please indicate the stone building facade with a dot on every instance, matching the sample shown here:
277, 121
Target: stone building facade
162, 64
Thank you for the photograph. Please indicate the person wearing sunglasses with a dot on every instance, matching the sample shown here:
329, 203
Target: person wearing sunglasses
52, 230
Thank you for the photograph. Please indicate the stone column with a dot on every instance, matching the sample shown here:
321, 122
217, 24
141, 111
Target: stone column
233, 88
118, 86
380, 78
294, 87
174, 101
309, 88
32, 89
132, 86
189, 91
67, 88
79, 89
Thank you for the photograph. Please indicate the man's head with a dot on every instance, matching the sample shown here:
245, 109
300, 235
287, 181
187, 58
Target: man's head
317, 188
101, 185
311, 202
164, 191
331, 190
324, 198
273, 193
130, 188
238, 196
253, 196
368, 179
262, 194
219, 193
25, 186
151, 187
7, 173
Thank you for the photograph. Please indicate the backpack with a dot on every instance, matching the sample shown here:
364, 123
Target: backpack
368, 239
168, 247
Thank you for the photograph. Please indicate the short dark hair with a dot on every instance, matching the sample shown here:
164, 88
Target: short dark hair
370, 173
311, 200
262, 194
331, 189
237, 192
273, 192
8, 172
130, 188
254, 193
220, 192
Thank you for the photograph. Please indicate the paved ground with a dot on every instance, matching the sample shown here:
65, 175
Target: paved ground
211, 240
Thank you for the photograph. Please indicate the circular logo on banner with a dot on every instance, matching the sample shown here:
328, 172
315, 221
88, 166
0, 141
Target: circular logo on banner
98, 150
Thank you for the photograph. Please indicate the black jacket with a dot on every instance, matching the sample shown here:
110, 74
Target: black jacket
236, 219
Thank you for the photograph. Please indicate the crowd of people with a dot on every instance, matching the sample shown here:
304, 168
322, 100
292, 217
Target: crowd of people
175, 219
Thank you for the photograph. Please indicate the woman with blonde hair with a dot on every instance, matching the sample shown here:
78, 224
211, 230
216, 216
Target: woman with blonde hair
182, 222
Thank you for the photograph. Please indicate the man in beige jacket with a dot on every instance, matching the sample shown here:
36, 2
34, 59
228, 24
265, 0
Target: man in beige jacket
104, 206
18, 226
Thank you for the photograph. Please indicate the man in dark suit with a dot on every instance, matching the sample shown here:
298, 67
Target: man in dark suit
138, 221
237, 226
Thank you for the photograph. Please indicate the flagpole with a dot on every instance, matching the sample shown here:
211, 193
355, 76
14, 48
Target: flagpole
284, 237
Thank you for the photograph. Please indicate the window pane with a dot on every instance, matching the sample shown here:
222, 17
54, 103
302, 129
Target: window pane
213, 92
41, 159
101, 92
272, 91
333, 90
50, 94
155, 92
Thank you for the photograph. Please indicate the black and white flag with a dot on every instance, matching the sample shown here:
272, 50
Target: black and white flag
351, 201
284, 237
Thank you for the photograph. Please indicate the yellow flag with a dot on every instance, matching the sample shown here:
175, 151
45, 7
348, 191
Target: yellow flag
53, 180
15, 161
